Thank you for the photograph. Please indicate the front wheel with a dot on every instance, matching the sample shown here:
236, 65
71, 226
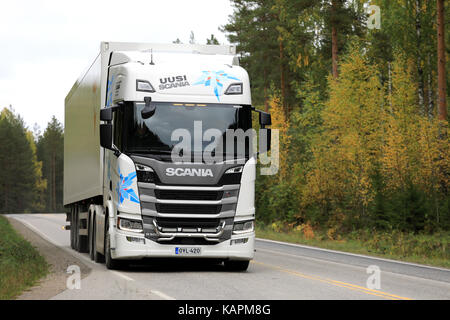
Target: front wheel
111, 263
236, 265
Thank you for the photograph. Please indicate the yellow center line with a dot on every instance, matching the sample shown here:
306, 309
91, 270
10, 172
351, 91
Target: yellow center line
336, 283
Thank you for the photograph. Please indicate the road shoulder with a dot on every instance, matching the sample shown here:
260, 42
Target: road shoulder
58, 259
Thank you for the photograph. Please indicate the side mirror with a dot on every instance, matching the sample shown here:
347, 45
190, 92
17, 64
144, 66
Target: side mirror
106, 114
264, 119
149, 109
106, 133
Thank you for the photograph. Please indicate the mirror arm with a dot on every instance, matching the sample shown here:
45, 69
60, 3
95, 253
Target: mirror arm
116, 150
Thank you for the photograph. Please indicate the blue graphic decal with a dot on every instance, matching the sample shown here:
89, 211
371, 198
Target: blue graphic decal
109, 92
215, 80
124, 190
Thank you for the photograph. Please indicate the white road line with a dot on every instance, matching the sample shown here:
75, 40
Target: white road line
162, 295
351, 254
122, 275
350, 266
78, 255
43, 235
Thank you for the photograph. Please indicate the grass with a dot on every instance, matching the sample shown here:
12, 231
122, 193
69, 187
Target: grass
433, 250
21, 265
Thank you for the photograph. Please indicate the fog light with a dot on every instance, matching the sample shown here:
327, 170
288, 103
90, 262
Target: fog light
136, 240
239, 241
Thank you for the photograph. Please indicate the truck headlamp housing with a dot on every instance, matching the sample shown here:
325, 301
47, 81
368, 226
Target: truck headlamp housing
145, 173
144, 85
235, 88
141, 167
235, 170
129, 225
243, 227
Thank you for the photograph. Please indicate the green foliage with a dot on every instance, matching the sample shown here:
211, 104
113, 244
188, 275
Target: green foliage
212, 40
19, 174
394, 244
20, 264
365, 149
50, 150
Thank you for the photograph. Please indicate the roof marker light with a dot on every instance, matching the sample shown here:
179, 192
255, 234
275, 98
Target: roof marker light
234, 88
145, 86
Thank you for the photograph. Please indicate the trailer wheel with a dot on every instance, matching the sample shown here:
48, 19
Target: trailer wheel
111, 263
76, 237
98, 257
236, 265
81, 240
72, 228
90, 238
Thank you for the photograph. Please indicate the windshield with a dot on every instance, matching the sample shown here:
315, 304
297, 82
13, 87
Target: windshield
154, 135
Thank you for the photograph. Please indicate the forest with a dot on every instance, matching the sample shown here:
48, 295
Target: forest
359, 98
31, 179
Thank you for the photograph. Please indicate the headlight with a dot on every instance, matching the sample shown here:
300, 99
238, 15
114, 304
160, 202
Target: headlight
235, 170
242, 227
145, 173
129, 225
141, 167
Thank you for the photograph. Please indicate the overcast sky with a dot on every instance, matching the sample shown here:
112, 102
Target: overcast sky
46, 44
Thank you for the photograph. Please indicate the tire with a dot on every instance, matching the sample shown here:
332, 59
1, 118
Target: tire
72, 228
91, 239
83, 244
111, 264
236, 265
76, 237
98, 257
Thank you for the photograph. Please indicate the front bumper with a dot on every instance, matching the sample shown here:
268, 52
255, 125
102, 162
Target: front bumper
125, 249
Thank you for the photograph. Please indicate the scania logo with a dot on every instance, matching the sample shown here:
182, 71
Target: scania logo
191, 172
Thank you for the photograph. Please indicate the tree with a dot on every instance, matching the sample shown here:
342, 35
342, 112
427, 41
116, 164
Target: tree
441, 60
50, 152
212, 40
18, 174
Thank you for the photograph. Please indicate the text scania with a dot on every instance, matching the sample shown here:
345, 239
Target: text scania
245, 309
182, 172
173, 82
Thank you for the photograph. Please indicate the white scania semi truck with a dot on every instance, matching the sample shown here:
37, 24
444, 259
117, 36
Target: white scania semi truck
126, 198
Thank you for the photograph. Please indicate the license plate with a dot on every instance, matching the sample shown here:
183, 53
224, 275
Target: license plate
188, 251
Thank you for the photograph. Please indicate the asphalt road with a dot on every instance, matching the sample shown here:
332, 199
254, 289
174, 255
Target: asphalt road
279, 271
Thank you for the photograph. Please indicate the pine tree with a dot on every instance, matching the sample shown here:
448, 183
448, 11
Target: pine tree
212, 40
50, 152
18, 177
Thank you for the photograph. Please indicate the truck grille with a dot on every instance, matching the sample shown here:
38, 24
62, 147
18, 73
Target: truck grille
188, 208
187, 214
187, 223
188, 195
